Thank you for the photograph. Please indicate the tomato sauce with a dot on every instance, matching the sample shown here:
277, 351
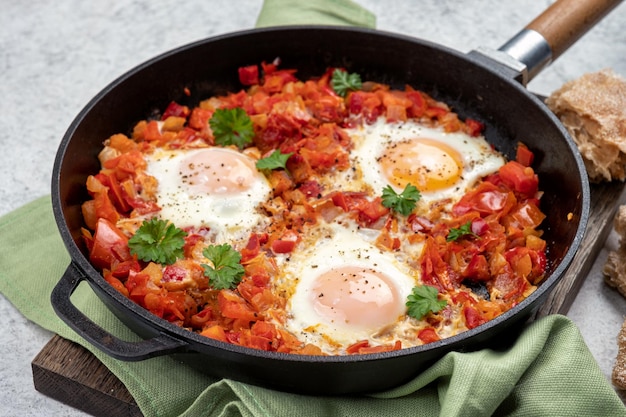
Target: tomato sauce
505, 258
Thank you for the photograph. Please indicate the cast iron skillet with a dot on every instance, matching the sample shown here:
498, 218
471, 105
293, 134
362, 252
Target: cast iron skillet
474, 85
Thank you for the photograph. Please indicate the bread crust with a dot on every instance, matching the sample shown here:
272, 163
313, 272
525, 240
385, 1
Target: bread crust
615, 276
593, 110
619, 370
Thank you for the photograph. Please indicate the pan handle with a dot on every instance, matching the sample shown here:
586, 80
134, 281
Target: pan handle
120, 349
551, 33
565, 21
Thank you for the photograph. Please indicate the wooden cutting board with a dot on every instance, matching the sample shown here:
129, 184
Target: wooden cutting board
69, 373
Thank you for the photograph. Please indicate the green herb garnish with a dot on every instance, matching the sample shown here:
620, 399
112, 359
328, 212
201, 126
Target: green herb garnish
423, 300
226, 271
465, 230
277, 160
342, 82
403, 203
158, 241
232, 127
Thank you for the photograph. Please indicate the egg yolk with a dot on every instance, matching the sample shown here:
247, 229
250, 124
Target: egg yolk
218, 171
427, 164
356, 297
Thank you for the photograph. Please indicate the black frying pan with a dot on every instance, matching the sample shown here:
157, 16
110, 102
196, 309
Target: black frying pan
474, 85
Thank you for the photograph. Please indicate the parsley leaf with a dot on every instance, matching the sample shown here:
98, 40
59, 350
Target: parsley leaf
342, 82
423, 300
232, 127
464, 230
275, 161
158, 241
403, 203
226, 271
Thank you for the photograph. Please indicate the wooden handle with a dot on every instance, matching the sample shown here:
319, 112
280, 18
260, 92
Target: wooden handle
565, 21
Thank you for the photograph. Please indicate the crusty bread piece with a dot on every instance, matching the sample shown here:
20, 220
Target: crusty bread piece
614, 269
593, 109
619, 370
615, 276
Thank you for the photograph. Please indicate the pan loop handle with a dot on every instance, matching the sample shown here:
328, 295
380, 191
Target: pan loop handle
551, 33
120, 349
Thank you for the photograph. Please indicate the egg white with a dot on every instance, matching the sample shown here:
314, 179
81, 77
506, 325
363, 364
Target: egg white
479, 159
229, 217
332, 246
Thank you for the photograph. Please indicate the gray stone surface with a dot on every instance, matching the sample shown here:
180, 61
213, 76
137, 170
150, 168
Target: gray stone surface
55, 56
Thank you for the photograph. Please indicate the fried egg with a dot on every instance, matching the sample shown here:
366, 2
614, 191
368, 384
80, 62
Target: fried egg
343, 289
218, 188
442, 165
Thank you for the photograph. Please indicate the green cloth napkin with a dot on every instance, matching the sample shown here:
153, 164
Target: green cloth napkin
549, 371
327, 12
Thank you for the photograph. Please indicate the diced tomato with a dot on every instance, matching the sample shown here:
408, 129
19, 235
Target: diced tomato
524, 215
428, 335
462, 297
373, 210
109, 245
173, 273
191, 240
200, 319
519, 178
255, 342
234, 306
340, 200
366, 104
252, 249
116, 193
311, 189
249, 75
435, 271
116, 283
215, 332
419, 224
418, 104
137, 286
479, 226
176, 110
283, 246
478, 268
177, 306
104, 208
199, 118
286, 243
187, 134
474, 127
524, 155
152, 132
355, 347
247, 289
487, 198
363, 347
269, 68
122, 269
275, 81
264, 329
526, 262
142, 206
328, 108
472, 317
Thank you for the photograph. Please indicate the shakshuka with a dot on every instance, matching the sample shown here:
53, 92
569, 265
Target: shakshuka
327, 216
